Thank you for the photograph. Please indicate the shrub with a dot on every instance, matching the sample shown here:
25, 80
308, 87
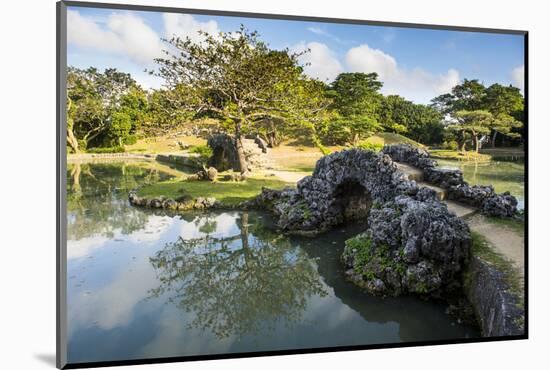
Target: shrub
203, 150
450, 145
130, 140
365, 145
114, 149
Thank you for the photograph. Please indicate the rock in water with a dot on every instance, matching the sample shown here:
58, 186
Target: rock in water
412, 245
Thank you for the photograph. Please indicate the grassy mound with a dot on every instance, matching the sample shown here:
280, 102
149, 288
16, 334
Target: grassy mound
386, 138
459, 156
228, 192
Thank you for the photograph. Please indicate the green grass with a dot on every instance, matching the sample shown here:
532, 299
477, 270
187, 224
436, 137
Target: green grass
227, 192
106, 150
517, 226
459, 156
385, 138
482, 249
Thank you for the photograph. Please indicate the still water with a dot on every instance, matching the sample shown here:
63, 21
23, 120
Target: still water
144, 284
503, 175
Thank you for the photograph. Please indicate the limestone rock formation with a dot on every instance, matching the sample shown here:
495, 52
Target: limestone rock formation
482, 197
342, 187
411, 243
225, 153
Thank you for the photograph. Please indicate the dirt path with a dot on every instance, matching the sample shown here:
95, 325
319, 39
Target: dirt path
504, 239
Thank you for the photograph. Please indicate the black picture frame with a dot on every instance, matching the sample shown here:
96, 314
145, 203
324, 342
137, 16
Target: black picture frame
61, 165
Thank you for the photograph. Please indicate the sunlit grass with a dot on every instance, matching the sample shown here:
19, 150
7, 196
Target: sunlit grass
227, 192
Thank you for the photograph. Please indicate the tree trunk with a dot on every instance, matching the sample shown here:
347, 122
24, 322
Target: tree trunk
71, 140
476, 141
243, 165
463, 142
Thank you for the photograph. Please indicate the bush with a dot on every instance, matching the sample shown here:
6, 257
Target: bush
365, 145
130, 140
203, 150
450, 145
114, 149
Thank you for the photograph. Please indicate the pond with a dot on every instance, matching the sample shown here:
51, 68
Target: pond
503, 175
145, 284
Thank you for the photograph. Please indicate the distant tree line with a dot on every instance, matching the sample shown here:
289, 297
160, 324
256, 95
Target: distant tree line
250, 89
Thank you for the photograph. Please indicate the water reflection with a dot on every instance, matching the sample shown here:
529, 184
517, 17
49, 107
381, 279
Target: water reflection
96, 198
504, 176
144, 284
237, 284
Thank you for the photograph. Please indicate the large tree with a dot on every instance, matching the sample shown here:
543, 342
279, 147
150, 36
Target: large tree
469, 95
93, 98
506, 103
419, 122
356, 99
237, 78
475, 123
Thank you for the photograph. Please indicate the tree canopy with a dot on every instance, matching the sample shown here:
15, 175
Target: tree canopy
237, 78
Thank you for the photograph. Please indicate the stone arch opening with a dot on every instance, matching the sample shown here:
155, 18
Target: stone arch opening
220, 159
352, 200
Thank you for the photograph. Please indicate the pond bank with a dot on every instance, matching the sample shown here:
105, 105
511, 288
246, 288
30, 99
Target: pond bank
494, 287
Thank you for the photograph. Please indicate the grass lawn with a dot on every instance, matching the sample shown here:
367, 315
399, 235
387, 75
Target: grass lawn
459, 156
386, 138
163, 144
516, 225
228, 192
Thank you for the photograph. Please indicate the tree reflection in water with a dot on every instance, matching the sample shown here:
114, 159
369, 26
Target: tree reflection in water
239, 284
97, 198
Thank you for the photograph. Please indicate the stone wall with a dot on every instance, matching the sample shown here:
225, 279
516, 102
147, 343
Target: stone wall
499, 311
482, 197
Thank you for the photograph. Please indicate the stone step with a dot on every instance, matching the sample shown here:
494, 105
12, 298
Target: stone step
412, 173
459, 209
441, 193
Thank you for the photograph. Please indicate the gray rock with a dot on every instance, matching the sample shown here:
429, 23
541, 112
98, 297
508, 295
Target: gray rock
479, 196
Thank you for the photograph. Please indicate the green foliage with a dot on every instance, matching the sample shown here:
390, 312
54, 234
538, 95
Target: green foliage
483, 250
114, 149
450, 145
459, 155
120, 127
367, 258
202, 150
236, 78
103, 109
417, 121
227, 192
355, 98
504, 103
365, 145
475, 123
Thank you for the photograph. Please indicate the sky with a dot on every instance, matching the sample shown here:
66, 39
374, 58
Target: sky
417, 64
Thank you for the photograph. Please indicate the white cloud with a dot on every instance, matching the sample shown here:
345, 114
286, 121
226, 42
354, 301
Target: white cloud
121, 34
415, 84
184, 25
518, 77
323, 63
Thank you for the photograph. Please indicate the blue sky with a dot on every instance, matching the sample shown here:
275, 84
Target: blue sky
418, 64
